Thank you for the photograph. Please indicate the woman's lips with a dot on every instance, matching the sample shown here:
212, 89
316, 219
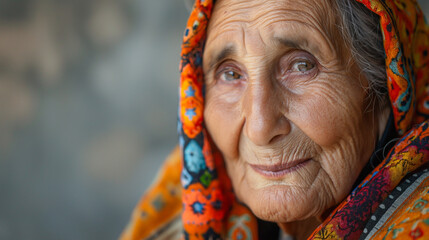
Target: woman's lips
279, 170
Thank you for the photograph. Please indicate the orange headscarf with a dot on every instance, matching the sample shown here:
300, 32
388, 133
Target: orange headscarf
208, 204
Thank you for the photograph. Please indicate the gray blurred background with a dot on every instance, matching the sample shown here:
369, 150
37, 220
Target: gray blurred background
88, 99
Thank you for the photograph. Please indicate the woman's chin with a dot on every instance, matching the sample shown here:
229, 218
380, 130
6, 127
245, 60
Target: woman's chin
292, 197
282, 204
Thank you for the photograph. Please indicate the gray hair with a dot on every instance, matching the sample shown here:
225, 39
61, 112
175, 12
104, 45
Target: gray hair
361, 29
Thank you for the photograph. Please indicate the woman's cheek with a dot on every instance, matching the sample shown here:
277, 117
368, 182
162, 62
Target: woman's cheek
322, 116
223, 118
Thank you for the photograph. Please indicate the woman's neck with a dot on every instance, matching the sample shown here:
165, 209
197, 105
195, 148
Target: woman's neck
300, 230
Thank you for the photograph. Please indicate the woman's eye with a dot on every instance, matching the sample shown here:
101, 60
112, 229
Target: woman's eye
231, 76
302, 66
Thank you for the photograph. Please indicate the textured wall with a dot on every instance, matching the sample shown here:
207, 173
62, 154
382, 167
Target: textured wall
88, 99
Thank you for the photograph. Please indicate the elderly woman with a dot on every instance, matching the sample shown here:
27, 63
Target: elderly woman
305, 119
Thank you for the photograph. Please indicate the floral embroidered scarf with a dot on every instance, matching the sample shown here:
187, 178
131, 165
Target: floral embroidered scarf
209, 209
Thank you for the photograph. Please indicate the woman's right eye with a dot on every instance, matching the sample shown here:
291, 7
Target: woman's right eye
230, 75
229, 72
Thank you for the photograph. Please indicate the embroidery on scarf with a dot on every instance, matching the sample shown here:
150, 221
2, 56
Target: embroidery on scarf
410, 185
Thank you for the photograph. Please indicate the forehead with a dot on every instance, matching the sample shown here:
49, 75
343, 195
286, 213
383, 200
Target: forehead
257, 23
264, 12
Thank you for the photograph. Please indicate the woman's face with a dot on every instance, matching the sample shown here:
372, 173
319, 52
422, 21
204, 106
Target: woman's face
286, 105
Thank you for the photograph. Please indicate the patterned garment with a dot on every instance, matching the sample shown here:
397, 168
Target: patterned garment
208, 206
404, 214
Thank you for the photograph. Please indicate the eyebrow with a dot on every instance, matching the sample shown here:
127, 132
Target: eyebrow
223, 54
289, 43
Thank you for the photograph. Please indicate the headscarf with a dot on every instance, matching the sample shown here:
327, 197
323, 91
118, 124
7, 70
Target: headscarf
208, 206
210, 209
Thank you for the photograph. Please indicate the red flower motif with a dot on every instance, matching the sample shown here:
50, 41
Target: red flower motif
416, 233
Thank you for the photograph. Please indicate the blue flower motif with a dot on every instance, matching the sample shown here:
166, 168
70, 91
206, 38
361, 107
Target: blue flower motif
190, 113
194, 158
198, 207
190, 92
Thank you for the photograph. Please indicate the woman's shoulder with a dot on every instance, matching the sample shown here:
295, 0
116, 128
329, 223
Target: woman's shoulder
158, 214
405, 212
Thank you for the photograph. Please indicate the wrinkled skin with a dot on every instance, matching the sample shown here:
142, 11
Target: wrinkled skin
281, 88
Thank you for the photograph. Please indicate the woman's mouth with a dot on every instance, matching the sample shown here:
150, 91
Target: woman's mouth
279, 170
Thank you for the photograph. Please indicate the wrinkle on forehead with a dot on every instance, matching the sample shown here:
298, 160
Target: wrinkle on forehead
263, 12
232, 17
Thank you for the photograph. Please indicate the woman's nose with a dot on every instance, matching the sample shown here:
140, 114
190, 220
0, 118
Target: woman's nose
264, 110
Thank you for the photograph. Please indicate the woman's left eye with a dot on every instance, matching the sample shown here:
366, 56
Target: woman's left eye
302, 66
